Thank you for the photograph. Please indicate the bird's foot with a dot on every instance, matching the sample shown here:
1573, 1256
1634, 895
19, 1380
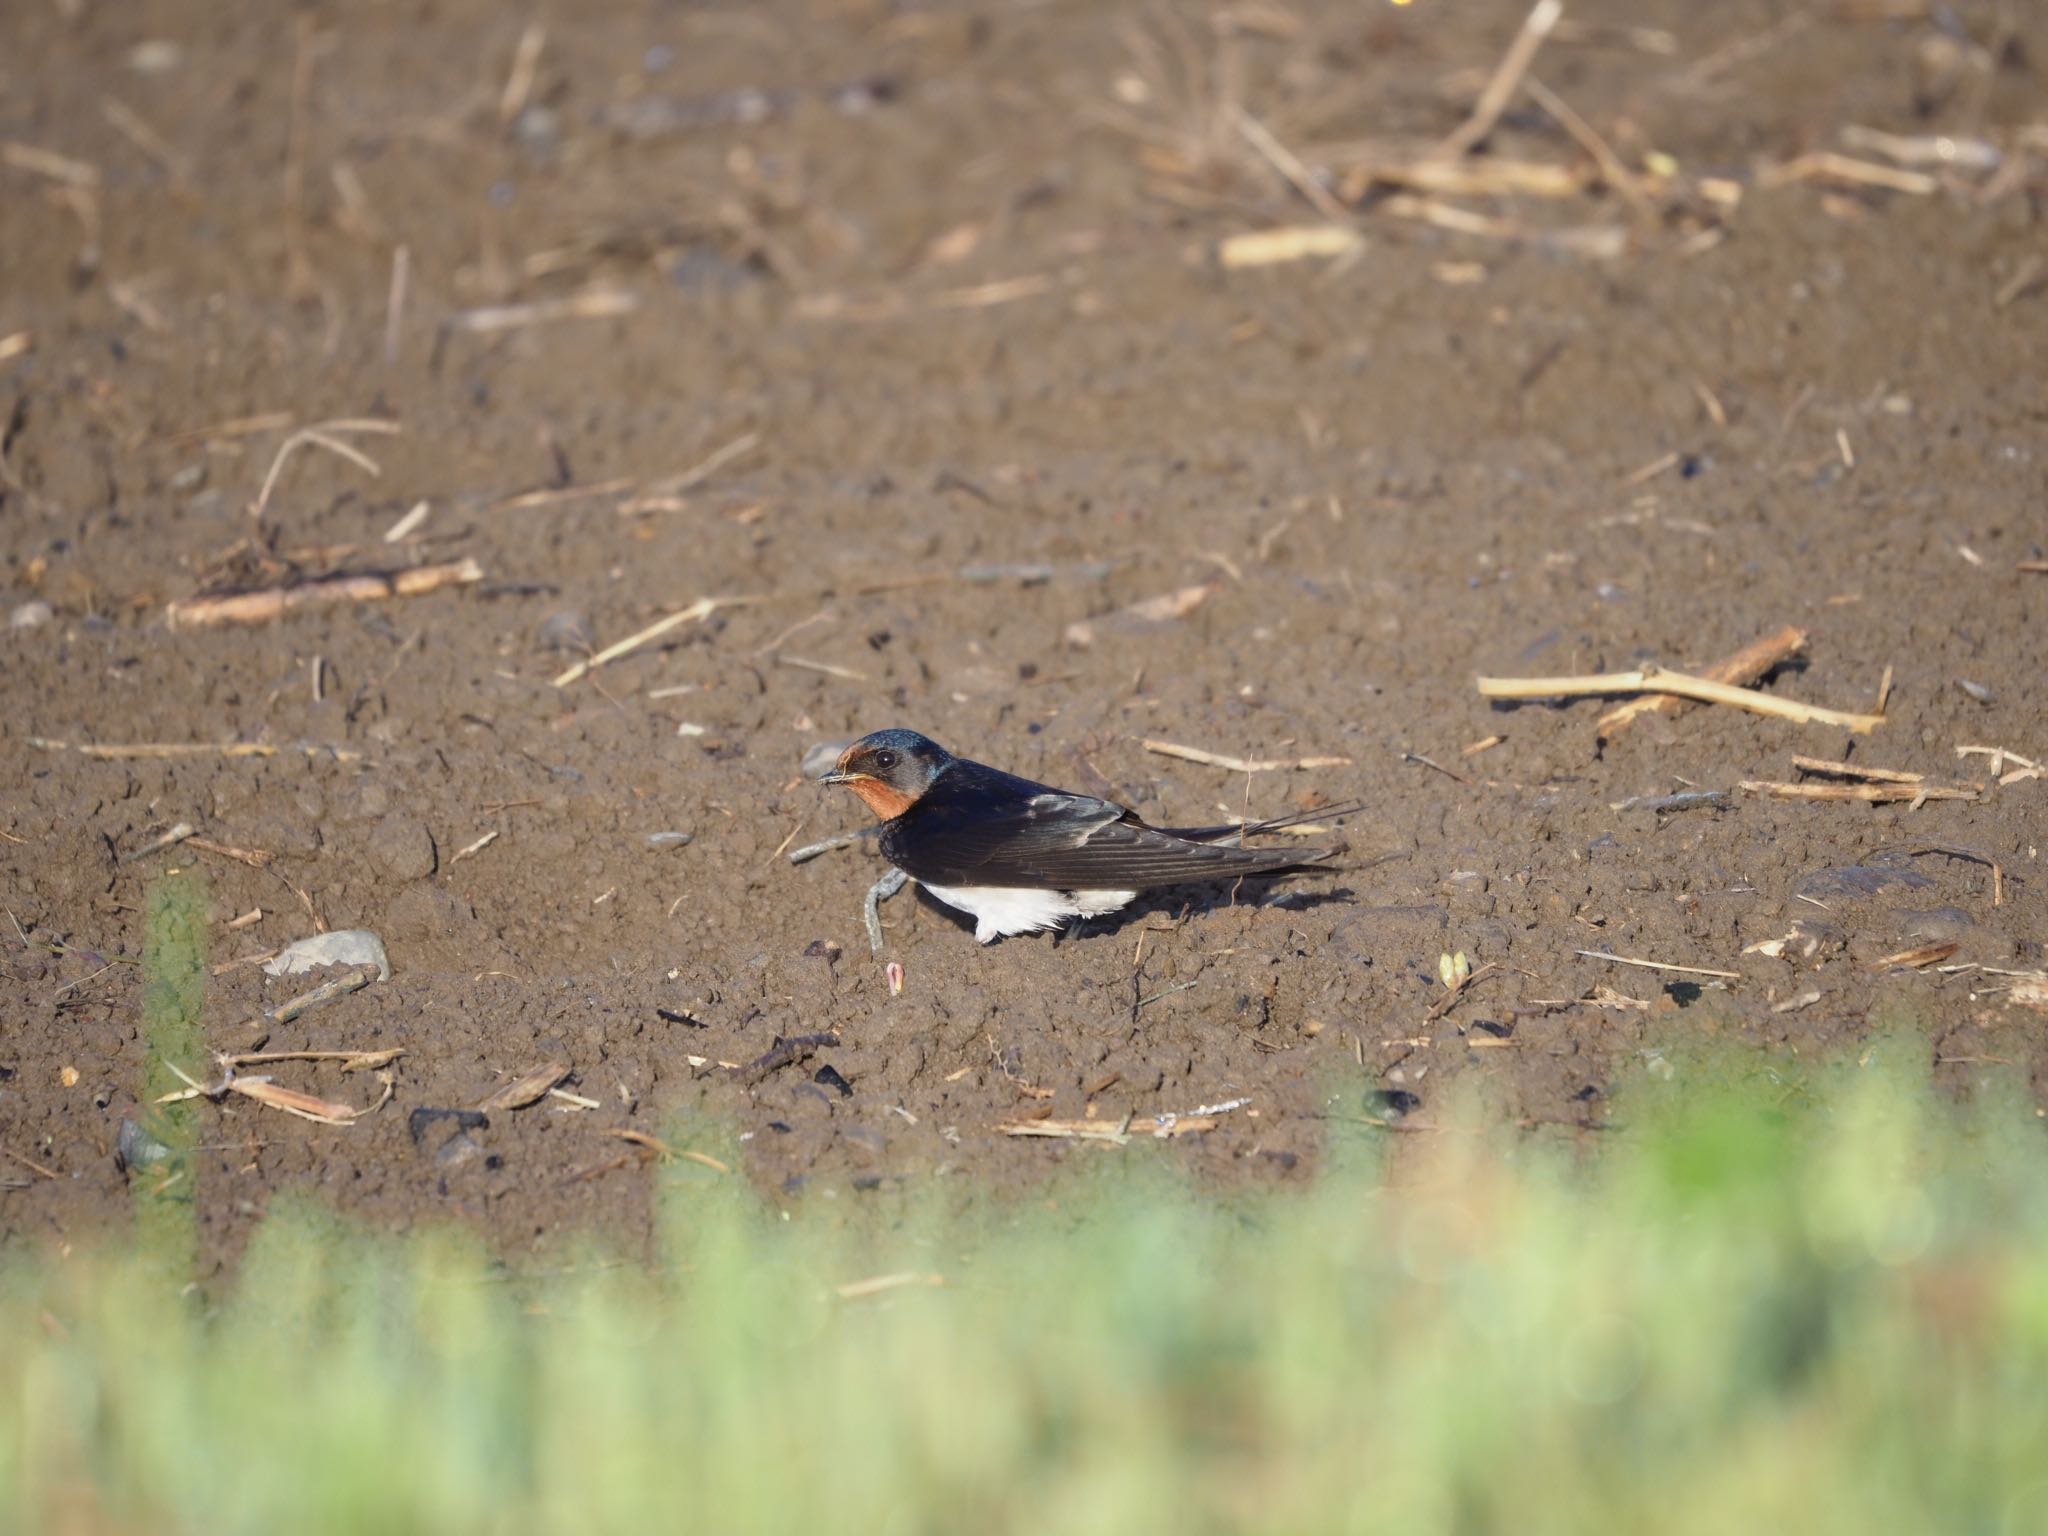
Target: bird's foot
871, 910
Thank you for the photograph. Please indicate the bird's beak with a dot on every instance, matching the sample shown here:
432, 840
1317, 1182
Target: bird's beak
836, 777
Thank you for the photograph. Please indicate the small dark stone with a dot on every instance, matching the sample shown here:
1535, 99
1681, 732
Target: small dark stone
779, 1127
423, 1119
829, 1076
1494, 1027
1683, 993
827, 950
457, 1151
1393, 1101
680, 1018
1587, 1094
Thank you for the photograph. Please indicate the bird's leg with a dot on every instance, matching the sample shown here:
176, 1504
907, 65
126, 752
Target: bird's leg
871, 910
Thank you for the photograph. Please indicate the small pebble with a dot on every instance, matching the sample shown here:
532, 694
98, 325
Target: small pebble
659, 840
33, 614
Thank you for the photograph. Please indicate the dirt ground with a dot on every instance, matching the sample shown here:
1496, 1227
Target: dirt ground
910, 331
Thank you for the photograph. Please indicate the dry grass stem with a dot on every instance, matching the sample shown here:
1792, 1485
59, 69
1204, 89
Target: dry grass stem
1826, 165
556, 495
1656, 965
1602, 241
1659, 680
590, 304
805, 664
703, 608
1835, 768
1241, 764
328, 435
476, 847
119, 751
351, 1061
1296, 242
1288, 164
1500, 89
271, 603
48, 163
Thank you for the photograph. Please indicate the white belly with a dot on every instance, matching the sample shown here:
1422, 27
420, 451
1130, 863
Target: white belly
1000, 909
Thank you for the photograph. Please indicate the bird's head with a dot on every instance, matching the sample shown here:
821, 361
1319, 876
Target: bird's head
890, 770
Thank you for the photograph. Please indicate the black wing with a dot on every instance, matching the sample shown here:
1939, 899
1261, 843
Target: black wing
982, 827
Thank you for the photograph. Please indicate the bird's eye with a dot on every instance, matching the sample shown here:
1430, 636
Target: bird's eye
885, 760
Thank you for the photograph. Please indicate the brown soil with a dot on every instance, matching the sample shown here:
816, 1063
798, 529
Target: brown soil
956, 268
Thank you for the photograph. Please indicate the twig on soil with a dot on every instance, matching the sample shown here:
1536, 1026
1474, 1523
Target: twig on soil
1298, 242
519, 80
1916, 794
1656, 965
556, 495
1599, 241
394, 304
113, 752
661, 495
1684, 800
270, 603
170, 839
325, 434
703, 608
351, 1061
255, 858
1918, 958
787, 1051
1241, 764
476, 847
1430, 762
1744, 667
305, 1002
1834, 768
1115, 1132
830, 669
1659, 680
305, 1105
1288, 164
29, 1163
590, 304
1826, 165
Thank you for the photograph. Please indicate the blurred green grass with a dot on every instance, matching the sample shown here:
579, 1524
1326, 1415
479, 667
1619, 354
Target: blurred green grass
1762, 1303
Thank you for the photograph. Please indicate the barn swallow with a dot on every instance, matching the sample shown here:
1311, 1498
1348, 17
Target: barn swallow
1019, 857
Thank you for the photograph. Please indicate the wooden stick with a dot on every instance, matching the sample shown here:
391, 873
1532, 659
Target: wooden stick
268, 603
1658, 680
703, 608
1873, 793
1746, 666
1241, 764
